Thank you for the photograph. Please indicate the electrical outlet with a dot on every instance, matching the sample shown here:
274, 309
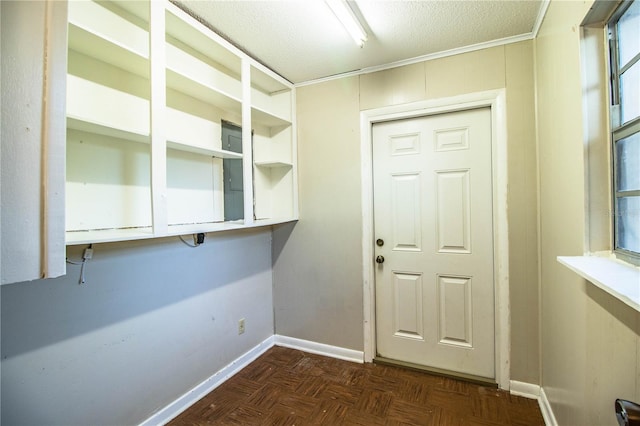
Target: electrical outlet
241, 326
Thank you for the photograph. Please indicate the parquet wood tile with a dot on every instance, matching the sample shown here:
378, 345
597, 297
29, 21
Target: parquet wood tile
347, 395
292, 388
329, 413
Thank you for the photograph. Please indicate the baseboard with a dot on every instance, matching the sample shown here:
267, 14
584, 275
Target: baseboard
319, 348
171, 411
532, 391
527, 390
547, 411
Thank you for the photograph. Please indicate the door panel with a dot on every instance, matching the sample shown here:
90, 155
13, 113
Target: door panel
408, 306
407, 229
453, 211
454, 296
433, 208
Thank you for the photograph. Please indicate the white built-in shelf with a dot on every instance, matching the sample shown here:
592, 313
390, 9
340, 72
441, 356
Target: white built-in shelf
90, 127
182, 27
617, 278
95, 128
135, 9
104, 106
113, 82
270, 99
114, 235
272, 164
273, 221
193, 77
268, 83
100, 33
196, 228
217, 153
273, 147
267, 118
204, 92
188, 132
107, 235
91, 45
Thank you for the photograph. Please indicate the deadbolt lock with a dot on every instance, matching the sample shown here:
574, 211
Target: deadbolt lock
379, 242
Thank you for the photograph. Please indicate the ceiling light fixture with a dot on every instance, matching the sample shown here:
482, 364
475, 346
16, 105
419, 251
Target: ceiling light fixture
348, 19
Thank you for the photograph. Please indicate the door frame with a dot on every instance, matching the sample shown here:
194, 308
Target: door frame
496, 101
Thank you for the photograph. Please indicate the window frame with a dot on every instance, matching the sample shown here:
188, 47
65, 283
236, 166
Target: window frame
619, 130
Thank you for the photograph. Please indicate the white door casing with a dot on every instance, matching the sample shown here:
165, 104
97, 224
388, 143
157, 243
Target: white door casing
495, 99
433, 220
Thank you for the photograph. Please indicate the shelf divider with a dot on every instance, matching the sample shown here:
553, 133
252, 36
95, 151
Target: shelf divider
159, 208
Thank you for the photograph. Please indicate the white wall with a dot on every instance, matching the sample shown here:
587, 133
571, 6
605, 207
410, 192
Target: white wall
22, 85
33, 137
153, 320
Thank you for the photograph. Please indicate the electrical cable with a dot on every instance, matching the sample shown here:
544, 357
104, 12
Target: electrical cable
187, 243
86, 255
81, 281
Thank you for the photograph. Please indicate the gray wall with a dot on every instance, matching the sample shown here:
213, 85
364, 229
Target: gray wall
318, 292
154, 319
590, 348
318, 262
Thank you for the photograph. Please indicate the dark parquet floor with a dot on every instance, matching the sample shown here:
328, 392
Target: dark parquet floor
289, 387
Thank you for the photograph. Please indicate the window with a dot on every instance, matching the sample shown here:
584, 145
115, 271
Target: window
624, 36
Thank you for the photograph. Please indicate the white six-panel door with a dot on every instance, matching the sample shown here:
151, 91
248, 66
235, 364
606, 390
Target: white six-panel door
433, 216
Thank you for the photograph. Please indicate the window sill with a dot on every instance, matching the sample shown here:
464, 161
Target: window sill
619, 279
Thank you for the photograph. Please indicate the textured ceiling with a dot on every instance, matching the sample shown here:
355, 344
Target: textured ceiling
302, 40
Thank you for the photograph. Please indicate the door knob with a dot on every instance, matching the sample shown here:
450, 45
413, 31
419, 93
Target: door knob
627, 413
380, 259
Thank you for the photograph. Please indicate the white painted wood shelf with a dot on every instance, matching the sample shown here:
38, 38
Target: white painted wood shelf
216, 153
272, 164
99, 32
91, 127
148, 88
274, 150
268, 119
108, 235
619, 279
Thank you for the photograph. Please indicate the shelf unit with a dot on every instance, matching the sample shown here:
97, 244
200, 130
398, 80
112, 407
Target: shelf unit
148, 88
108, 135
272, 119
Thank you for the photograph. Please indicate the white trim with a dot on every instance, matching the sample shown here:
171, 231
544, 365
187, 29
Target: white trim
158, 82
526, 390
423, 58
542, 12
172, 410
529, 390
54, 141
495, 99
617, 278
547, 411
294, 154
319, 348
247, 143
